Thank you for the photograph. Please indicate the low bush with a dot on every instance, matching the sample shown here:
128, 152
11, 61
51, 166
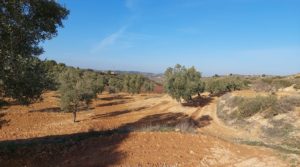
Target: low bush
297, 86
281, 83
185, 126
284, 105
248, 107
268, 105
271, 84
260, 86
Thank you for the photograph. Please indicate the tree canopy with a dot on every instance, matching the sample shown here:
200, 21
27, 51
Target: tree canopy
23, 25
78, 88
183, 83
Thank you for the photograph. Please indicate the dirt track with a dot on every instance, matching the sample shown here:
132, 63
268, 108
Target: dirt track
93, 142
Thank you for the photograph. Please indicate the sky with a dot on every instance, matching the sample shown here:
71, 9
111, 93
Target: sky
215, 36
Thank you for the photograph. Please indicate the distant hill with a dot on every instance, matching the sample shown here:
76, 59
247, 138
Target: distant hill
155, 77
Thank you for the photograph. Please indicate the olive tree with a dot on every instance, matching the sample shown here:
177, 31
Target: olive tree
225, 84
23, 25
133, 83
183, 83
115, 85
148, 86
77, 88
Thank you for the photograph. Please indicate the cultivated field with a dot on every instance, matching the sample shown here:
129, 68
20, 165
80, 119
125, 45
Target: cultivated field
130, 130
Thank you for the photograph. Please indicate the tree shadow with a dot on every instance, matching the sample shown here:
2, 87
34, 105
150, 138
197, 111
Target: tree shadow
3, 122
117, 113
171, 120
118, 97
203, 121
58, 109
198, 102
111, 103
50, 109
3, 103
218, 94
93, 148
80, 149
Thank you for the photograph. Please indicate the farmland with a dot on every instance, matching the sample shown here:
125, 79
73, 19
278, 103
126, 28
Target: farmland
146, 129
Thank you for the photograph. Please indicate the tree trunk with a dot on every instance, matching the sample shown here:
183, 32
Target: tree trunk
74, 116
199, 95
190, 99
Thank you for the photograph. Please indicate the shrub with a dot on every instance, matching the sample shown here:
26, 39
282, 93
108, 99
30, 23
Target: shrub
271, 84
261, 86
250, 106
297, 86
268, 105
284, 105
281, 83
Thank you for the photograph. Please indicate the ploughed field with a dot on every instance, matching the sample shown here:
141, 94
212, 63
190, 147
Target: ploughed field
127, 130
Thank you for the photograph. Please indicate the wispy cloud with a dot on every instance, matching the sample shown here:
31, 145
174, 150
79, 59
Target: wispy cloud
109, 40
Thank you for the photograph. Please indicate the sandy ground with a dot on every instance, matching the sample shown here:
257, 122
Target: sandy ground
42, 135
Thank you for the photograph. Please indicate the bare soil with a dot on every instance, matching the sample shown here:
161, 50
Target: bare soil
110, 133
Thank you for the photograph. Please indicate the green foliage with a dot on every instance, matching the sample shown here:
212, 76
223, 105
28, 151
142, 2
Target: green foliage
24, 24
78, 88
53, 71
225, 84
133, 83
115, 85
28, 83
182, 83
148, 86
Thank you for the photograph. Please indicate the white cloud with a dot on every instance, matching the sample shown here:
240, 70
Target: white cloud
109, 40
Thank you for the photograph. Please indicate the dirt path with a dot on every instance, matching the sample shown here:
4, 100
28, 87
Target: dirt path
217, 127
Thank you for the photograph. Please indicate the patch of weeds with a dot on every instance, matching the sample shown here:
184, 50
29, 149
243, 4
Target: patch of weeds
292, 143
280, 148
154, 128
297, 86
280, 129
283, 105
183, 127
248, 107
268, 105
186, 127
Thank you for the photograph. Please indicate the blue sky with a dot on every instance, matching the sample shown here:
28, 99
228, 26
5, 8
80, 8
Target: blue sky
216, 36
